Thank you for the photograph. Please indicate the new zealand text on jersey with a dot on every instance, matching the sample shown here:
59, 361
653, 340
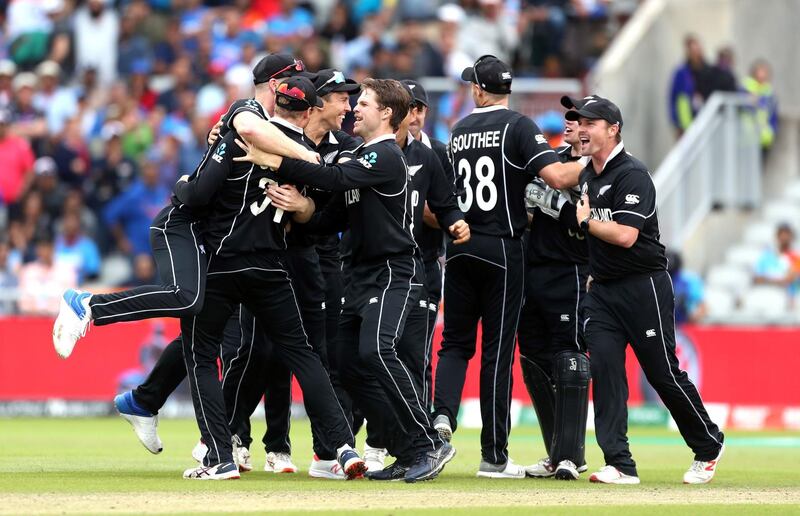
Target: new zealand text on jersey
603, 214
484, 139
352, 196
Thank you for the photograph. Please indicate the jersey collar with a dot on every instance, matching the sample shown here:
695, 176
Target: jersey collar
285, 123
381, 138
332, 139
489, 109
426, 141
619, 148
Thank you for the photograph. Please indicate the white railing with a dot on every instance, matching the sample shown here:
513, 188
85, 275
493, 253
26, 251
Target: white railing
716, 163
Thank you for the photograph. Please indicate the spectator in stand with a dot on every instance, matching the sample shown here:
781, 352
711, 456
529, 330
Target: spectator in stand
29, 219
42, 281
17, 159
128, 215
45, 181
489, 31
96, 30
144, 271
780, 266
27, 120
71, 155
76, 249
74, 204
690, 306
61, 49
722, 77
425, 58
56, 102
7, 71
686, 97
759, 86
28, 31
112, 172
8, 281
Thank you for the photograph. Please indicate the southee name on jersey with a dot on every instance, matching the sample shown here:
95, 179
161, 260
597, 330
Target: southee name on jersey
483, 140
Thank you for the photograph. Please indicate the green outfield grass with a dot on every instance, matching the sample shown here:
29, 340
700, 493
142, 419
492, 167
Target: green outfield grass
98, 466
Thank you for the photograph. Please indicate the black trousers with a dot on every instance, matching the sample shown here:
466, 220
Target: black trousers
433, 285
377, 305
180, 258
484, 283
550, 320
167, 374
640, 310
261, 282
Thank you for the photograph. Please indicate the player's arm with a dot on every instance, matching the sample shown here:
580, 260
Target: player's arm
540, 159
345, 175
634, 201
267, 137
442, 202
209, 178
288, 198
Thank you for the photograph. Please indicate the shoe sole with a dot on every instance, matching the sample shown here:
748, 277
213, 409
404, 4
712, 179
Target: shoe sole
234, 475
129, 419
245, 468
58, 329
433, 474
497, 474
566, 474
324, 475
547, 475
620, 482
356, 470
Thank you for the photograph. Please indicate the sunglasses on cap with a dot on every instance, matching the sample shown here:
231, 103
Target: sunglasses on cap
293, 92
297, 65
337, 78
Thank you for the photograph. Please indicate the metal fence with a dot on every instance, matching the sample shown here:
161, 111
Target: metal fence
716, 163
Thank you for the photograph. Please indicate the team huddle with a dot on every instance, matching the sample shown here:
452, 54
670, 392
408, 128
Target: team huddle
295, 250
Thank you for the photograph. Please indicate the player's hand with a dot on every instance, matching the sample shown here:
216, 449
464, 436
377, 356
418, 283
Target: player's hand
214, 133
287, 197
312, 157
460, 232
589, 280
184, 178
255, 155
583, 209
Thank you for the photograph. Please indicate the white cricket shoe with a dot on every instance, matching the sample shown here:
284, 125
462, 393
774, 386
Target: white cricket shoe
144, 424
507, 470
567, 470
279, 463
611, 475
330, 469
224, 471
701, 472
374, 457
442, 425
241, 455
73, 320
542, 469
199, 451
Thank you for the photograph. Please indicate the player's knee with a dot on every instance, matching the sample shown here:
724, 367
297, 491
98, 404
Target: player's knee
189, 302
572, 367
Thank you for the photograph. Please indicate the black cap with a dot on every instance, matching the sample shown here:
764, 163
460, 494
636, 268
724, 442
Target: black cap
417, 91
597, 108
575, 103
329, 80
276, 66
297, 94
491, 74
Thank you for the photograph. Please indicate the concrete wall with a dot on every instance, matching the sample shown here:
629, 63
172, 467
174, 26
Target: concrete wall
636, 71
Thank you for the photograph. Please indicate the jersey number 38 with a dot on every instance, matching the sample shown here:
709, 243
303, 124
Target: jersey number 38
485, 192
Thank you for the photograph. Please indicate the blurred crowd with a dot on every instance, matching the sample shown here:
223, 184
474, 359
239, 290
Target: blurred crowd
104, 104
696, 79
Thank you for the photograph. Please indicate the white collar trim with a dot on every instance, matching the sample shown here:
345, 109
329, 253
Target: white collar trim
426, 141
381, 138
489, 109
332, 139
282, 121
617, 150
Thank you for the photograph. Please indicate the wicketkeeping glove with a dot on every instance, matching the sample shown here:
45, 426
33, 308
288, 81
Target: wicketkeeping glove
550, 201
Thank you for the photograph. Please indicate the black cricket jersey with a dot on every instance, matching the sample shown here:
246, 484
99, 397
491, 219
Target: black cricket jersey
241, 217
297, 236
493, 152
558, 240
429, 184
624, 193
431, 241
329, 149
374, 199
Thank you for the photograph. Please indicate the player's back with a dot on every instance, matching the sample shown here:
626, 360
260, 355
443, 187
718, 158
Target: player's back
486, 156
